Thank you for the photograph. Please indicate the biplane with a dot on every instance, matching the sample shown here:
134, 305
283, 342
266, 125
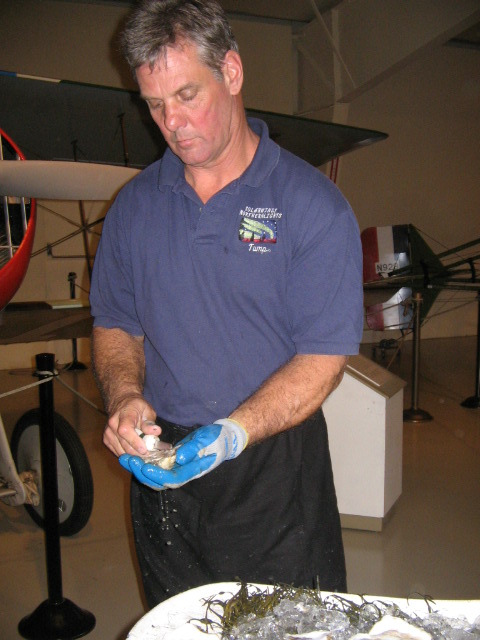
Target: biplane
24, 181
20, 461
398, 262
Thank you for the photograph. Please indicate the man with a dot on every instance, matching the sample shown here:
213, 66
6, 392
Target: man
227, 297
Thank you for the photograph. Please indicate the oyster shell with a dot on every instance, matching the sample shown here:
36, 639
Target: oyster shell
164, 458
159, 453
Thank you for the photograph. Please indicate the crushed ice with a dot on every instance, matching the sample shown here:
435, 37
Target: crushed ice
301, 618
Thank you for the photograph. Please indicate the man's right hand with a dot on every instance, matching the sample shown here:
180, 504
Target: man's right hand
132, 412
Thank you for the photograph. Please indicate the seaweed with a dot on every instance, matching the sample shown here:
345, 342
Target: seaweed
223, 615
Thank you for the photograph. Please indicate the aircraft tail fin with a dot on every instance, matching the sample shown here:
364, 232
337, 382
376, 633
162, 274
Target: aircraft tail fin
385, 249
392, 252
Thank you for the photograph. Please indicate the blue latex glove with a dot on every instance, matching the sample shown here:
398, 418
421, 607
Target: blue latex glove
197, 454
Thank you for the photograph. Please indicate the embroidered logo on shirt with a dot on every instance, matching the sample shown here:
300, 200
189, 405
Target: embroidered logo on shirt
258, 231
258, 227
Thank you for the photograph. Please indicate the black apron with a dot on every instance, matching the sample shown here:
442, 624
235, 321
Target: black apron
268, 516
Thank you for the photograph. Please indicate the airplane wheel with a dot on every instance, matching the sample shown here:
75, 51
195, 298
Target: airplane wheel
74, 476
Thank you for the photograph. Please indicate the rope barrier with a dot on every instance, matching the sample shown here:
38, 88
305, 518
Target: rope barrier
56, 376
28, 386
94, 406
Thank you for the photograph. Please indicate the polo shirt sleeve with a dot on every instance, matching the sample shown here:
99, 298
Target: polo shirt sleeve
112, 297
325, 291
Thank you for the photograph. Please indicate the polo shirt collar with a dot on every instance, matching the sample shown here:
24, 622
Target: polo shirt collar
171, 171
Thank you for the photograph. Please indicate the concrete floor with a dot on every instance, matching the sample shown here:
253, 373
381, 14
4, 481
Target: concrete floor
430, 544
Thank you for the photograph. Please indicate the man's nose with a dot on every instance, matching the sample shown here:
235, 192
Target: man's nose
173, 118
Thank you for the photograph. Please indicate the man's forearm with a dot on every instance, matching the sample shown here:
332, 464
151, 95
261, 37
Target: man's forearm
290, 395
118, 364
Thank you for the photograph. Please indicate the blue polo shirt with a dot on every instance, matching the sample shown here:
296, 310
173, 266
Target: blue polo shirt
226, 292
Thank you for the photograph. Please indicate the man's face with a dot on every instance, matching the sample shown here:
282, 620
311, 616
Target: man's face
190, 106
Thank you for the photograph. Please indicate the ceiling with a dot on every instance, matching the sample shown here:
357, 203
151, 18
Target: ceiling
289, 10
295, 11
470, 38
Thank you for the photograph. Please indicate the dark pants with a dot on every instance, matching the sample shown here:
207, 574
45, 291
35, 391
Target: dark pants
268, 516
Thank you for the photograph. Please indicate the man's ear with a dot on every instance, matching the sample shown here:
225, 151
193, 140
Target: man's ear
233, 72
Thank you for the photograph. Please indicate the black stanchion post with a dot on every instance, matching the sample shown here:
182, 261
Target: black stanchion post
474, 401
56, 618
75, 365
414, 414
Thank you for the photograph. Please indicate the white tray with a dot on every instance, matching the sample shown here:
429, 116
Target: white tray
171, 620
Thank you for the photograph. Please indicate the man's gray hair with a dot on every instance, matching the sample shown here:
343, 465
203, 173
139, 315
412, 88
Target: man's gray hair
155, 25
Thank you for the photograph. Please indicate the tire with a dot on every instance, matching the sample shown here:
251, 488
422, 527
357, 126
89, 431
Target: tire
74, 476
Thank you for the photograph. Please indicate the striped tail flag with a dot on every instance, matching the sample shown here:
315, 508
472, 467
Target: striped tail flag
386, 249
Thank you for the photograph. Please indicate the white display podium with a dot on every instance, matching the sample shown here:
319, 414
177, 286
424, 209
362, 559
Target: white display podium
365, 427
